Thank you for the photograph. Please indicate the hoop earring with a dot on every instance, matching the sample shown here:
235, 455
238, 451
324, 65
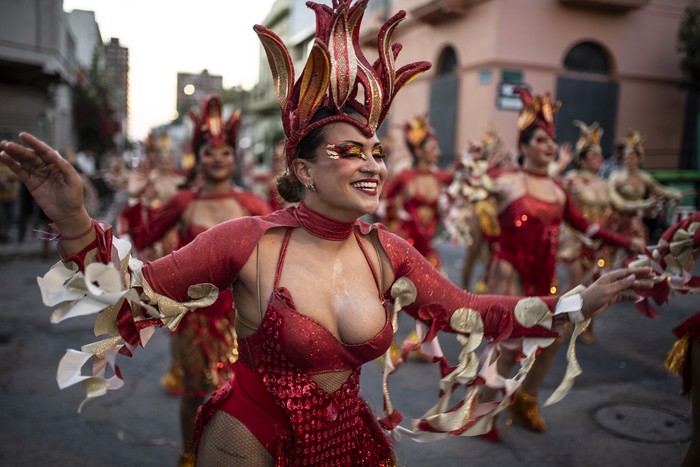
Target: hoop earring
311, 187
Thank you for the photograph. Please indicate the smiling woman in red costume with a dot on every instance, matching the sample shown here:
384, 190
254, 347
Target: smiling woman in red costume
203, 344
531, 207
412, 196
316, 289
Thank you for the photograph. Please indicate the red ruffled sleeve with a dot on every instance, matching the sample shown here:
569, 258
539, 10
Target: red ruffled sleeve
145, 229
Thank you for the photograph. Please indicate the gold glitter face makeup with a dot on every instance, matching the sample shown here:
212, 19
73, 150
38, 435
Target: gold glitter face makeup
345, 150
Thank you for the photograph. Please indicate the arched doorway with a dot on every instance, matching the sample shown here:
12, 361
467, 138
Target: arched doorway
444, 93
588, 92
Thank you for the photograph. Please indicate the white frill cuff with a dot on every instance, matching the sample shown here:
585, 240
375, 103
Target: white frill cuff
103, 290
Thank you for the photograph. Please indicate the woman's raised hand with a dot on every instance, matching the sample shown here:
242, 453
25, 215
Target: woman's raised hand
51, 180
613, 287
139, 180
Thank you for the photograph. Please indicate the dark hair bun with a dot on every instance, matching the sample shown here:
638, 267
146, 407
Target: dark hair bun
287, 188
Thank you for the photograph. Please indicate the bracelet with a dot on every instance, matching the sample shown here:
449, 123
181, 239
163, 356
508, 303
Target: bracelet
75, 237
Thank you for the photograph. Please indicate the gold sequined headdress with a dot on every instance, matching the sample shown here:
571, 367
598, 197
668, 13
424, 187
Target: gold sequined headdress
209, 126
589, 138
537, 110
491, 141
334, 72
416, 131
634, 142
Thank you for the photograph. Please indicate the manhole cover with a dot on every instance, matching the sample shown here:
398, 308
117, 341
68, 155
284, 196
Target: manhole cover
643, 423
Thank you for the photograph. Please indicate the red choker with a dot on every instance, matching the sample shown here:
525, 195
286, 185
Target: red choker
213, 196
535, 173
321, 226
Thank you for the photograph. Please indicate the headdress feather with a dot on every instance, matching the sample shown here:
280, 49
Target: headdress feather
537, 110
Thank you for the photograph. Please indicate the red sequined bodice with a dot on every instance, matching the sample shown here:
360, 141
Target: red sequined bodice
419, 232
529, 241
326, 428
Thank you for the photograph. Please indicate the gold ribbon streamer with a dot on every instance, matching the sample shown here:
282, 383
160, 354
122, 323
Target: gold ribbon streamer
676, 357
573, 369
173, 311
100, 348
404, 293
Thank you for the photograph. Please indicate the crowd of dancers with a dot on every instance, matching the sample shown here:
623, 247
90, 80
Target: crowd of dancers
275, 299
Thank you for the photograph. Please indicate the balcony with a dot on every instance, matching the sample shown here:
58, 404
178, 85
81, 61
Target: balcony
616, 5
438, 11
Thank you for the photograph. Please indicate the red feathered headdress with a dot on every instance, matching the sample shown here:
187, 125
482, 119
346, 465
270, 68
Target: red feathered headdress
334, 72
209, 126
537, 110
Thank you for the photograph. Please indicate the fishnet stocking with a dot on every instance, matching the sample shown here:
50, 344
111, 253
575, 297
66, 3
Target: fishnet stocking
226, 441
331, 382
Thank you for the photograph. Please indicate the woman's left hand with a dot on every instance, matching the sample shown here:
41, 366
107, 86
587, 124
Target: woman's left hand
52, 181
613, 287
566, 154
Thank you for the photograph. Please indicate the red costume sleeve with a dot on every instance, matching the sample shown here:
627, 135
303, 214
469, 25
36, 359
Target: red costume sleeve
214, 257
147, 228
437, 298
445, 177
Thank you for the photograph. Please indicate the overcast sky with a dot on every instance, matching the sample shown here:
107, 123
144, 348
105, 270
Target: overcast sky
165, 37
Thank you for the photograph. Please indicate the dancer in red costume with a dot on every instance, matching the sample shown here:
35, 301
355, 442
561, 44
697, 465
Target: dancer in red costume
203, 344
412, 195
411, 202
312, 284
531, 209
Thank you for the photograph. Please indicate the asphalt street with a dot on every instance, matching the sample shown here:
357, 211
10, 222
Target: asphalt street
625, 410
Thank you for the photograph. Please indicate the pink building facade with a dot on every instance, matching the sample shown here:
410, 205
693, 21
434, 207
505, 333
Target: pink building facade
613, 61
